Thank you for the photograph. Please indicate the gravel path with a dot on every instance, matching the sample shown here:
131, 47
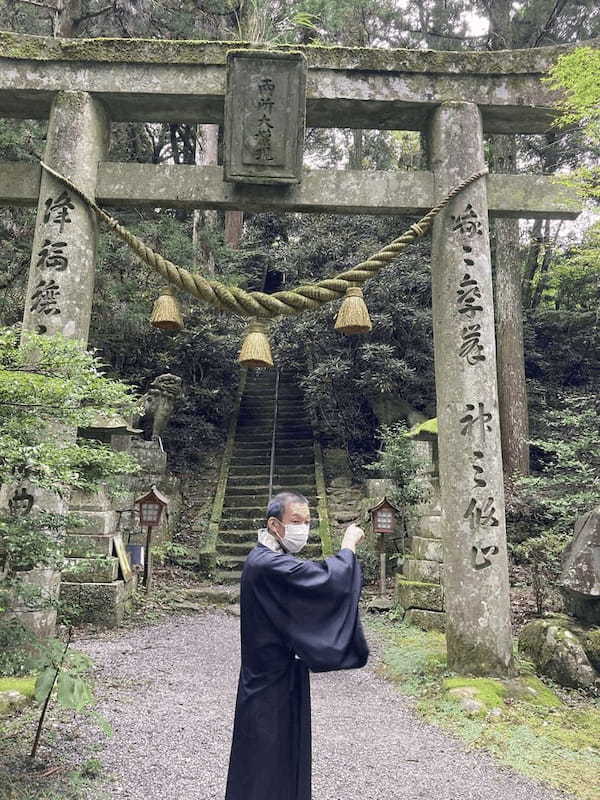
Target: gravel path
169, 692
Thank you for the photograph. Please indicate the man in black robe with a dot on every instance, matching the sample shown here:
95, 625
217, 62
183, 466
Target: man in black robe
295, 615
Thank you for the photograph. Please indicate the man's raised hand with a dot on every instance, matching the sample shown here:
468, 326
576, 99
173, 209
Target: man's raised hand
352, 537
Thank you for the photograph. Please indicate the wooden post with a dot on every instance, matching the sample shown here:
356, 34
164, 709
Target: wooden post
148, 561
382, 564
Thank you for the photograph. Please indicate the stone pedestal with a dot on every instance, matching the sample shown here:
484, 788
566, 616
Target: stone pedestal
91, 579
470, 463
419, 590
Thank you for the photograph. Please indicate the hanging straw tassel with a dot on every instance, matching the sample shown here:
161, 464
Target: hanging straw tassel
353, 316
166, 314
256, 350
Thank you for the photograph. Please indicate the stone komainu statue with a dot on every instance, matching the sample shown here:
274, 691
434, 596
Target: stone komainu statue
158, 404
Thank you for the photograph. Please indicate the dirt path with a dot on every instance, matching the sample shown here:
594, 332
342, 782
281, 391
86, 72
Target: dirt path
169, 692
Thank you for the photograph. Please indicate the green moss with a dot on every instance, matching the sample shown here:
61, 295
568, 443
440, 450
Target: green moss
192, 51
544, 695
488, 691
429, 426
536, 733
25, 686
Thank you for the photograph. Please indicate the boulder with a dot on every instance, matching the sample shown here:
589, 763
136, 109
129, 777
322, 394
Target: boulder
557, 647
11, 701
580, 577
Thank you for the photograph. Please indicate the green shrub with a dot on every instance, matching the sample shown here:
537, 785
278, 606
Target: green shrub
397, 460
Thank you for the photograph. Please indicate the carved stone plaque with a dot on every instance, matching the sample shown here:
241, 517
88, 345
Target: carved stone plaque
265, 111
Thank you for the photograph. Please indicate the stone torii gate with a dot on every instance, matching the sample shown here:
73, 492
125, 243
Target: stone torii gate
83, 85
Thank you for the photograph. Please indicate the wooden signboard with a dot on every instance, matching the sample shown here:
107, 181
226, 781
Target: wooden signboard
123, 557
265, 111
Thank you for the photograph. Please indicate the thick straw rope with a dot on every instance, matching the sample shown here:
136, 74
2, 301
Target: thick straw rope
258, 304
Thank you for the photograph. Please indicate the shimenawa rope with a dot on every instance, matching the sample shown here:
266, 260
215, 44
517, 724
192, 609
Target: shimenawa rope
258, 304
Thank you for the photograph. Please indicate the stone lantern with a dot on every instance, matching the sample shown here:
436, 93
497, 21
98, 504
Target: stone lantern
383, 518
151, 506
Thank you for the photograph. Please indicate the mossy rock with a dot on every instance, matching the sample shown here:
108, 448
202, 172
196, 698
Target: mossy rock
15, 694
24, 685
557, 648
591, 645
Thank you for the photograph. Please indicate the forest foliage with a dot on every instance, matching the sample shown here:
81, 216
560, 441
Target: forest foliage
353, 385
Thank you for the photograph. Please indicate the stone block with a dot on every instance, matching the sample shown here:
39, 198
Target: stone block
91, 570
417, 570
580, 577
430, 526
46, 580
42, 623
79, 546
96, 523
150, 455
418, 594
427, 549
427, 620
89, 501
100, 603
265, 109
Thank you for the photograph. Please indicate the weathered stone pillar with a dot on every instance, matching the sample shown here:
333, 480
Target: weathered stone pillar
61, 277
470, 461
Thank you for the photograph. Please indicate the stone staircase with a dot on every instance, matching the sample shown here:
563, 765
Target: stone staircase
247, 491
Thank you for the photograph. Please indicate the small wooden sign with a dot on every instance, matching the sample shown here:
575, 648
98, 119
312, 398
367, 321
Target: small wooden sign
265, 112
123, 557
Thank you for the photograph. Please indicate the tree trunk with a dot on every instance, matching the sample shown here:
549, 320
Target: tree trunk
67, 19
512, 389
234, 221
206, 155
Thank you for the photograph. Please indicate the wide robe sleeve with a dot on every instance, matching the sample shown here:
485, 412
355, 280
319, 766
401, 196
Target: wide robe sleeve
314, 606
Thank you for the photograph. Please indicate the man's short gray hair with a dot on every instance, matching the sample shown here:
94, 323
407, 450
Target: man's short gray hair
279, 502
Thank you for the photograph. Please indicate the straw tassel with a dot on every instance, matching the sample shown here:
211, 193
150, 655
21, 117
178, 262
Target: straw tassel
166, 314
256, 350
353, 316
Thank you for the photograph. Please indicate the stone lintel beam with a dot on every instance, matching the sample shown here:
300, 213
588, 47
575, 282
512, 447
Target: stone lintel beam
184, 81
322, 191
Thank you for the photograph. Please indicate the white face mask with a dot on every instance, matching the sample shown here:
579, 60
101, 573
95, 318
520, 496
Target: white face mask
295, 536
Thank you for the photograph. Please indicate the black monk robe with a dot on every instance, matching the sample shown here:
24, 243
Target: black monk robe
295, 615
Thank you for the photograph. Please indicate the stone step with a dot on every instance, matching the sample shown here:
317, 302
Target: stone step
239, 523
225, 562
237, 535
251, 446
240, 476
420, 570
246, 489
425, 549
81, 545
102, 569
249, 473
232, 521
96, 523
303, 458
419, 594
427, 620
311, 550
227, 576
253, 512
429, 526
